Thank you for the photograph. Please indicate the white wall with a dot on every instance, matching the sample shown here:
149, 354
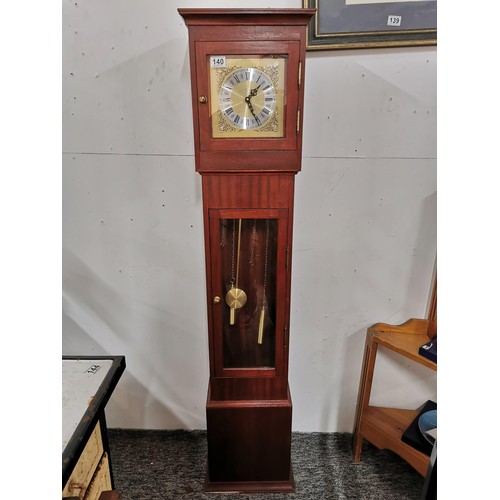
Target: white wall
133, 268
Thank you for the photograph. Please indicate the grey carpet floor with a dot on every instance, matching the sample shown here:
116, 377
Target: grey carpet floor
171, 465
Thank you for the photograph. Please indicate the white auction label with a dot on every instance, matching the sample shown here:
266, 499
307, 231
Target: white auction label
394, 20
217, 61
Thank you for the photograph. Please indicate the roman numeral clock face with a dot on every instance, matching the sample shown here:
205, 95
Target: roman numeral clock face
247, 96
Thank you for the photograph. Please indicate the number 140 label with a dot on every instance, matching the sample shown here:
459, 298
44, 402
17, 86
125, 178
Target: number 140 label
394, 20
217, 61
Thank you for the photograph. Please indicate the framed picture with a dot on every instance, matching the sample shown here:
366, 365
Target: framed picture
354, 24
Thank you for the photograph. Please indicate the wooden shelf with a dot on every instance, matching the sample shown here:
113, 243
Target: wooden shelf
405, 344
384, 427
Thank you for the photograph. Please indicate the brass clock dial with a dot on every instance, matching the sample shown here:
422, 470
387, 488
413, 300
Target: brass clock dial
247, 96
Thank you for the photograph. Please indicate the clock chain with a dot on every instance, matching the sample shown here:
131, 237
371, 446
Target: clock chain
264, 285
254, 237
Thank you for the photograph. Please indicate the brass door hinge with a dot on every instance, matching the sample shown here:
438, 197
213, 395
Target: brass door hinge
299, 76
298, 121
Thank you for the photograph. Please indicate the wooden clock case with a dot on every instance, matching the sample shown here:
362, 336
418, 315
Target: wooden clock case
249, 408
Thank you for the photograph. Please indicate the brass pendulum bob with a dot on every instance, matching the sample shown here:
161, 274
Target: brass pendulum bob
235, 297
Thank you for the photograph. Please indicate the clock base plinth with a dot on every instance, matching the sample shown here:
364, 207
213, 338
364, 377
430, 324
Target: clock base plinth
249, 445
251, 487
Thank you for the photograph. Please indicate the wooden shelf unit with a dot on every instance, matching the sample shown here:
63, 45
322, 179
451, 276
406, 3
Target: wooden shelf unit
383, 427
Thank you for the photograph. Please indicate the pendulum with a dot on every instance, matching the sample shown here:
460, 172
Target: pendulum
263, 309
235, 297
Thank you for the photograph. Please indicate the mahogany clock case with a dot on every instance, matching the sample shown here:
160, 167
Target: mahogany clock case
247, 81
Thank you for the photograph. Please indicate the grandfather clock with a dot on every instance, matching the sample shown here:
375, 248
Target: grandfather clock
247, 78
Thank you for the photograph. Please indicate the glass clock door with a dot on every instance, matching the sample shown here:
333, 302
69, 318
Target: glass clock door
248, 250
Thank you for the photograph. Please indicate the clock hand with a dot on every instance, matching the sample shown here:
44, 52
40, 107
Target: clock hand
254, 91
250, 107
248, 101
257, 119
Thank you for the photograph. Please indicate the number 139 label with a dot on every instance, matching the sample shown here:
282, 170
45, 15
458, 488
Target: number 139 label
394, 20
217, 61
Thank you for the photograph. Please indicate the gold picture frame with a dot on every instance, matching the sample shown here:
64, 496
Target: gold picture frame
355, 24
